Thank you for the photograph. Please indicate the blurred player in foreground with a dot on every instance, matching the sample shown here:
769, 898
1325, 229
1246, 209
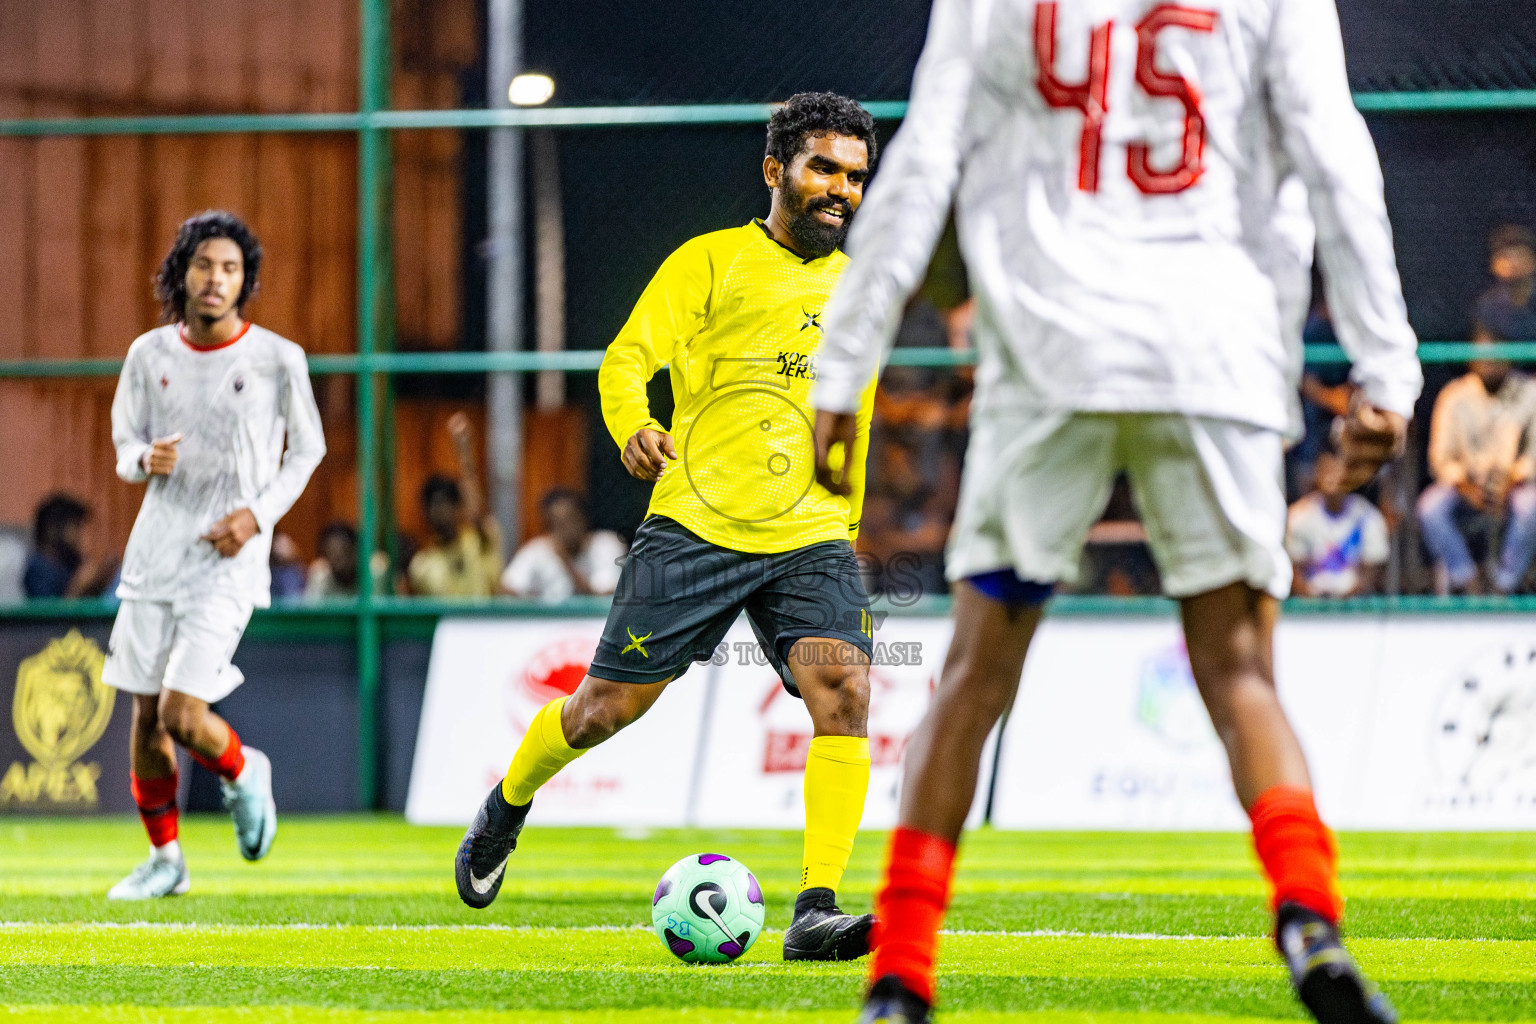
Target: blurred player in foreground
201, 411
1116, 170
740, 522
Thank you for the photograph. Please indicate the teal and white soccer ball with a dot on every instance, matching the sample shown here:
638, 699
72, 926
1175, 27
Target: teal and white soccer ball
708, 909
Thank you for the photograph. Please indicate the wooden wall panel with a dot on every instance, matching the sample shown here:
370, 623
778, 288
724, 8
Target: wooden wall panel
87, 221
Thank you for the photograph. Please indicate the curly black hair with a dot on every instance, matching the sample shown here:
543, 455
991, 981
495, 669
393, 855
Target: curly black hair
810, 114
171, 278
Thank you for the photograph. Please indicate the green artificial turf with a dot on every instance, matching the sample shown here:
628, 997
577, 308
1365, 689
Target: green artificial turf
355, 919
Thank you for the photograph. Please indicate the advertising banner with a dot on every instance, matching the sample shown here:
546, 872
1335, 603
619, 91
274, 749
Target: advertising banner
1453, 737
64, 745
759, 735
487, 679
1409, 722
1109, 731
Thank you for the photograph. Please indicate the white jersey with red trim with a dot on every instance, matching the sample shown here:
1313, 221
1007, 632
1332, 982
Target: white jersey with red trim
1120, 173
233, 405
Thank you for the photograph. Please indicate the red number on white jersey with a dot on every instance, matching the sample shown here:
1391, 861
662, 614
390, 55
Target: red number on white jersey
1091, 96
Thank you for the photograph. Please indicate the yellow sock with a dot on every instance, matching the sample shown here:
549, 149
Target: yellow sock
542, 753
836, 779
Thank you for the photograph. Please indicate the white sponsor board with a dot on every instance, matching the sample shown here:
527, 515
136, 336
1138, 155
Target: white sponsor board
1453, 728
1408, 722
1109, 731
755, 748
488, 677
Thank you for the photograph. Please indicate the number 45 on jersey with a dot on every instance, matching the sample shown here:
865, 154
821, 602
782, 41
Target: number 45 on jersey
1091, 96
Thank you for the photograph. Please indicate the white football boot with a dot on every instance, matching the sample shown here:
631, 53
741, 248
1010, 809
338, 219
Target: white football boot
249, 802
160, 875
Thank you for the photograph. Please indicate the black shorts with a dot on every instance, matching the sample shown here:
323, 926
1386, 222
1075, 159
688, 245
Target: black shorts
679, 594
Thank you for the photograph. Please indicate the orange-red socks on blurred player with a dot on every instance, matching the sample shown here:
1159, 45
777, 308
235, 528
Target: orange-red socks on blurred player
227, 765
1297, 850
156, 799
910, 908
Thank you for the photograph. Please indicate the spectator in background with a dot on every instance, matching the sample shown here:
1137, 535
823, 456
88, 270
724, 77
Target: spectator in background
463, 556
13, 564
1480, 457
287, 569
333, 573
1507, 311
56, 566
1337, 541
1325, 395
568, 559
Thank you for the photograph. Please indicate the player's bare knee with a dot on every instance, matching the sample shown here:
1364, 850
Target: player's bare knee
146, 715
599, 709
837, 697
977, 682
180, 717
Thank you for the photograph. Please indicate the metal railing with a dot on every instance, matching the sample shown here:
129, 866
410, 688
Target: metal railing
366, 617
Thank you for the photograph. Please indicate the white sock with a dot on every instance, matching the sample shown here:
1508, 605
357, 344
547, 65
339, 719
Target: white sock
171, 851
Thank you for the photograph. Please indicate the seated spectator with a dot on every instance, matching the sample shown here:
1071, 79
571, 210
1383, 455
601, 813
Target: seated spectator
333, 573
56, 566
13, 564
568, 558
287, 569
462, 558
1325, 396
1337, 541
1507, 311
1481, 460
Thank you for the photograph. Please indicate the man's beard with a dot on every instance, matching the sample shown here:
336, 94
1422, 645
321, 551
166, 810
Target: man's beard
813, 238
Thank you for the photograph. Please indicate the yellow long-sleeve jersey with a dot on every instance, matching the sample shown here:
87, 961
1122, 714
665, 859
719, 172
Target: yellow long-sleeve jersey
738, 317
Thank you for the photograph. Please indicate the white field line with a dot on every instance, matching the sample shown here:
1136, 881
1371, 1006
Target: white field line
1037, 933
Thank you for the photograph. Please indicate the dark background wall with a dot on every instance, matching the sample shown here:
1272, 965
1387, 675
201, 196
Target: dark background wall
632, 196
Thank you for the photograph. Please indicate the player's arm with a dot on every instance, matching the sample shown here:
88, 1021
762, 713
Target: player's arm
841, 440
901, 219
1327, 141
1301, 557
671, 310
305, 449
130, 423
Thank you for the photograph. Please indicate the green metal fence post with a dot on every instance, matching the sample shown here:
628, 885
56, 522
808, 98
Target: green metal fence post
374, 303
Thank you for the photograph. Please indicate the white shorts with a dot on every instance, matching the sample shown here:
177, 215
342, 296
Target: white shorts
185, 646
1211, 494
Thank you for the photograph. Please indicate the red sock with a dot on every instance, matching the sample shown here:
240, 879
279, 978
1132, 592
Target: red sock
157, 806
910, 907
1297, 850
227, 765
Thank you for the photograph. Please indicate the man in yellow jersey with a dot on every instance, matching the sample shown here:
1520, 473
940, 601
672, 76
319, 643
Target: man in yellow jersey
737, 520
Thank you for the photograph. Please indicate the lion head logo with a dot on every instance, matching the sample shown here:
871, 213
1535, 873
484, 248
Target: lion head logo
62, 707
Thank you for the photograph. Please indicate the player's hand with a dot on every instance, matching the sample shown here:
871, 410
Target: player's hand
229, 534
647, 453
161, 457
834, 428
1368, 438
458, 428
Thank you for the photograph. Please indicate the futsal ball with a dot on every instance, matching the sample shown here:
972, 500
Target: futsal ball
708, 909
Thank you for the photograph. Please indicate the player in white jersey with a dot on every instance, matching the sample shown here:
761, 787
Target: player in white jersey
202, 409
1116, 170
